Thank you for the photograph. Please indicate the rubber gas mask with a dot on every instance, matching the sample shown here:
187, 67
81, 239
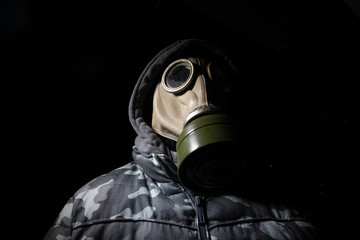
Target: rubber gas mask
188, 108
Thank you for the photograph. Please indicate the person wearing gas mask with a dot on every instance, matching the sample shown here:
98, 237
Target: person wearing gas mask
191, 172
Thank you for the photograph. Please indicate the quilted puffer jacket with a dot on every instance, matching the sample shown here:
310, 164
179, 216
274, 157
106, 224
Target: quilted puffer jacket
145, 200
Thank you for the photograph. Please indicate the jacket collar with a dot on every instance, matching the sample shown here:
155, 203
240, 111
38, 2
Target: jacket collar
159, 167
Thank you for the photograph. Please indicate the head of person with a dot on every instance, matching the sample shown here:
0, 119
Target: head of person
194, 112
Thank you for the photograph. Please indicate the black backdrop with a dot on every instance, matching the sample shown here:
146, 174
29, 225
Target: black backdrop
68, 70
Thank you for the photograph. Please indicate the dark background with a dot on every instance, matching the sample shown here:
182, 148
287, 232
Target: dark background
69, 67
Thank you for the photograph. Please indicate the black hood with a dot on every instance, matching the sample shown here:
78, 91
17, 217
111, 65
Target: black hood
147, 141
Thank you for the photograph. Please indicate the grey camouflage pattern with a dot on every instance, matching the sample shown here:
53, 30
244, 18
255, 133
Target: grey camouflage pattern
144, 199
149, 209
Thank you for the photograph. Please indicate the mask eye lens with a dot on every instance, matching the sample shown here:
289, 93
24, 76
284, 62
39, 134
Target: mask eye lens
215, 72
177, 76
219, 75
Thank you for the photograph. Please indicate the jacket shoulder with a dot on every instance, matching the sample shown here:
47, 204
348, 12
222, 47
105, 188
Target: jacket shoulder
90, 203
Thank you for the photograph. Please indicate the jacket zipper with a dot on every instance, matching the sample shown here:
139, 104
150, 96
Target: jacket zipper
201, 218
198, 203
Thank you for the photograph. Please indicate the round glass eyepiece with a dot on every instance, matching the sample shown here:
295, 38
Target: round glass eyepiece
177, 76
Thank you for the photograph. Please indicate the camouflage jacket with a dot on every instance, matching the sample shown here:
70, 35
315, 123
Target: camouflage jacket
130, 203
145, 200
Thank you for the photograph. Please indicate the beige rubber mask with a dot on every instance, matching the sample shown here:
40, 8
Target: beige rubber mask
176, 96
206, 137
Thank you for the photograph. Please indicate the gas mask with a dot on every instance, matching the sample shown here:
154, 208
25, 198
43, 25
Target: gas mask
188, 107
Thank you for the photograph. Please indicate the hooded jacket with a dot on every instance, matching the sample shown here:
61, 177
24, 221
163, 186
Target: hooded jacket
145, 200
